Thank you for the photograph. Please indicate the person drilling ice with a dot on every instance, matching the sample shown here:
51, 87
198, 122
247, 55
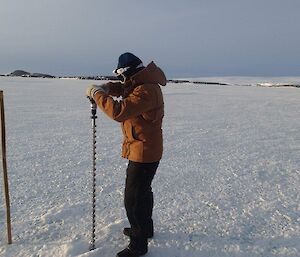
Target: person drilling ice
140, 112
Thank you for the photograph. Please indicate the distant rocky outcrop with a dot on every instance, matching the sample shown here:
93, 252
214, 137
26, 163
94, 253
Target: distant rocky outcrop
19, 73
41, 75
180, 81
22, 73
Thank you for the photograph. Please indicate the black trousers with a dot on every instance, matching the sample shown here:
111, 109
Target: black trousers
139, 197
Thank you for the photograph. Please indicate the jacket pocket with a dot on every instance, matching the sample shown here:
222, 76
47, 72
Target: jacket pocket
138, 136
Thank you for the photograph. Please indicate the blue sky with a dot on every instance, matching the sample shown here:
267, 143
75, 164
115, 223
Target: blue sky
186, 38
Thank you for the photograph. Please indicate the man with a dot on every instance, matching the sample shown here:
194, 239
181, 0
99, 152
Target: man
140, 113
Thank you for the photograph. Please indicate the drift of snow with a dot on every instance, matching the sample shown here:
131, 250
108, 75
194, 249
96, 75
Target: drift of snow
228, 183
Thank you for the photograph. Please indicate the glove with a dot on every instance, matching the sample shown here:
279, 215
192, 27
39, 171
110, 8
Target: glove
93, 89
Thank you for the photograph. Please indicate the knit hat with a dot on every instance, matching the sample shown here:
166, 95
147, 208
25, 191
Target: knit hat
128, 65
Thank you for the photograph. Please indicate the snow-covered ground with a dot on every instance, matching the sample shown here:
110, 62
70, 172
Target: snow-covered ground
228, 184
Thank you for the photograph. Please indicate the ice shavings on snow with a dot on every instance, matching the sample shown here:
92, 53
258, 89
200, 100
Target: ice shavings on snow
228, 183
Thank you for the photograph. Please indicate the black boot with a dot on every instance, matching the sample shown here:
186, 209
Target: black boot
136, 248
130, 233
127, 253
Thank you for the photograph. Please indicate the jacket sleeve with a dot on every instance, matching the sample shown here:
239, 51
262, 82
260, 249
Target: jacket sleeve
138, 102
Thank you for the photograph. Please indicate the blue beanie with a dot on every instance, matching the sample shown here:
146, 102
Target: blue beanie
128, 60
128, 65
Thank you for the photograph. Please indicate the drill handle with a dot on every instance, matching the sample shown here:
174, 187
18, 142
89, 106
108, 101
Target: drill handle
93, 108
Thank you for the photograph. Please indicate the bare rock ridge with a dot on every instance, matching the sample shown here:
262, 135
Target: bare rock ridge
22, 73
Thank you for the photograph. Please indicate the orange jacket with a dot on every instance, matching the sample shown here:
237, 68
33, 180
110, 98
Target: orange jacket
140, 112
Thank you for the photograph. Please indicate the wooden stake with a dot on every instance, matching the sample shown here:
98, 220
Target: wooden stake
5, 177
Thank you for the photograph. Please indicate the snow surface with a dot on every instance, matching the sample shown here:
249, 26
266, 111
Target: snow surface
228, 183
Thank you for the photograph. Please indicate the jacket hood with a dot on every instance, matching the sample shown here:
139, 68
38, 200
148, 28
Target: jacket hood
151, 74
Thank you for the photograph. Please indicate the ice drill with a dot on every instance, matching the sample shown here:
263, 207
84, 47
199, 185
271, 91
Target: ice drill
93, 117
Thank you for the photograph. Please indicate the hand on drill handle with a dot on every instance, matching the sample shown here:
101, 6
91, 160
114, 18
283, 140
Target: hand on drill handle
93, 89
